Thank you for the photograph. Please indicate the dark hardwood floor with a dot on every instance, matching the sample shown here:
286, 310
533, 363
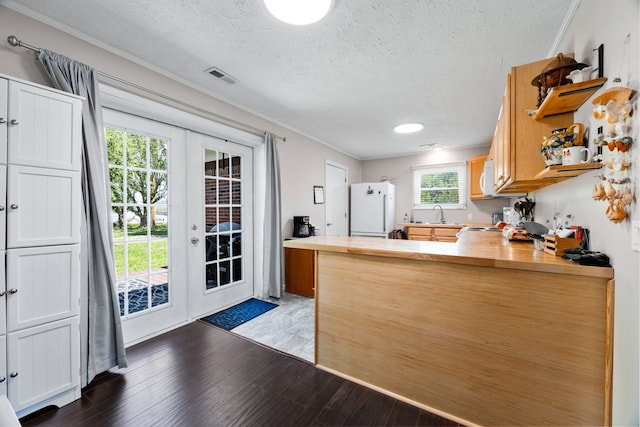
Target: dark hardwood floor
199, 375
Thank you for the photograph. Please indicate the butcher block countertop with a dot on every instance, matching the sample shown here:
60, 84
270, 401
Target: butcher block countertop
498, 253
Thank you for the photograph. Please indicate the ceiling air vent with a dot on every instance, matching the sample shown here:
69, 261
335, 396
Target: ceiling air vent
221, 75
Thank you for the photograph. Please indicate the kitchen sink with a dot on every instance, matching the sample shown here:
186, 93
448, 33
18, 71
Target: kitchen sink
481, 229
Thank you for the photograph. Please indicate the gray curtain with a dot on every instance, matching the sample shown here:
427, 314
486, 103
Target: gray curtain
102, 345
273, 251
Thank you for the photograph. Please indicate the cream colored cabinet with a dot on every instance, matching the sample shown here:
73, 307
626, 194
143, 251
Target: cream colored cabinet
40, 202
43, 365
518, 137
4, 117
44, 127
3, 365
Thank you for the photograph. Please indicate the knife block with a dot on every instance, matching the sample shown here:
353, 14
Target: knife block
555, 245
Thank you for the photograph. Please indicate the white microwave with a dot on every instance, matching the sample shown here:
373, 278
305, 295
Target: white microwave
487, 182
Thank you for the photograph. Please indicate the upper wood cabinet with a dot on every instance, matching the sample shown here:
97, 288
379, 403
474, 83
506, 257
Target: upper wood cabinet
518, 137
476, 167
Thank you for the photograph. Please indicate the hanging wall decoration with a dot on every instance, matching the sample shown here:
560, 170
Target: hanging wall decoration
614, 108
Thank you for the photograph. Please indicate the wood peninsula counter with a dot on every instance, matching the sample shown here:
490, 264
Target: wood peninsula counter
496, 334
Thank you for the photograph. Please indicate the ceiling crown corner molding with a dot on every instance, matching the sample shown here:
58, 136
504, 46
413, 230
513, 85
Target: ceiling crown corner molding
573, 7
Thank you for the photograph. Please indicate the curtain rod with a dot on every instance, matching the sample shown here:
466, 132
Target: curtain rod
14, 41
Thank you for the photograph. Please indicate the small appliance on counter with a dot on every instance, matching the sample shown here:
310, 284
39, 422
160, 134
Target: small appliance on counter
301, 226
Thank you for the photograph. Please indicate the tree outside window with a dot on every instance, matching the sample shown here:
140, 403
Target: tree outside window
443, 185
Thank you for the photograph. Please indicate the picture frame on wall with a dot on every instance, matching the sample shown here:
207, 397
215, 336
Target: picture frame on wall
318, 194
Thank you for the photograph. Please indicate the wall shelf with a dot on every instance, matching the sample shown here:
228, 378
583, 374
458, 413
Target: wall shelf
567, 98
560, 172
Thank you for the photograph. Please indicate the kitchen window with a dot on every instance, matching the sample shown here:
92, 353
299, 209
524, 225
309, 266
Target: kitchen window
443, 185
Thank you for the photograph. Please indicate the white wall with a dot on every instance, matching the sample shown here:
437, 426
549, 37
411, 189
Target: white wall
303, 166
399, 171
302, 160
598, 22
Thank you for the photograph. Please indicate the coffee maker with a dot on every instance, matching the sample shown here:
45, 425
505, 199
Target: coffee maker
301, 226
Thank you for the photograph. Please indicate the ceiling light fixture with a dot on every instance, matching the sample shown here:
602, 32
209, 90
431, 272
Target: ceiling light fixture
299, 12
408, 128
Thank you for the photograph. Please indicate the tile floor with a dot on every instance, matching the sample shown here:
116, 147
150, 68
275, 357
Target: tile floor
290, 327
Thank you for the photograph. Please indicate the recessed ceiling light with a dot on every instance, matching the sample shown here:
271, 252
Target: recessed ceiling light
299, 12
408, 128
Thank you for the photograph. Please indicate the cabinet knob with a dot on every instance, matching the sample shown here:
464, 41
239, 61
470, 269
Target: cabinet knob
3, 120
13, 374
1, 208
2, 379
14, 122
12, 291
14, 206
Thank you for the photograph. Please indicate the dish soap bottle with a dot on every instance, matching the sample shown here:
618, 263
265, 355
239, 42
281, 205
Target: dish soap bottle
406, 218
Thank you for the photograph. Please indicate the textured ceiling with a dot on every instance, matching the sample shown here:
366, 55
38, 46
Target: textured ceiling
346, 80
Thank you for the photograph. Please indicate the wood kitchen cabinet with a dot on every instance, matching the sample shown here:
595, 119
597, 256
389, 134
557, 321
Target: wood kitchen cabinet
299, 271
517, 140
476, 167
435, 233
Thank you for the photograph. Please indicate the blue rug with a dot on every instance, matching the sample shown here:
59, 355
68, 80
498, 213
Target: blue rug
239, 314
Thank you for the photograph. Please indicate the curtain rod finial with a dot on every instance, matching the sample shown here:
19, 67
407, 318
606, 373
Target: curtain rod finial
13, 40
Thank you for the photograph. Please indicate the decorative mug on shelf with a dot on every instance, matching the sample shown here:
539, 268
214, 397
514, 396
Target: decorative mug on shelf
552, 145
575, 155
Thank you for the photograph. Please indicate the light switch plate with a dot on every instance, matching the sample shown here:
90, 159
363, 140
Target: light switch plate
635, 235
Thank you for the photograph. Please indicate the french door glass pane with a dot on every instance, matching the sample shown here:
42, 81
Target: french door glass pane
138, 169
223, 220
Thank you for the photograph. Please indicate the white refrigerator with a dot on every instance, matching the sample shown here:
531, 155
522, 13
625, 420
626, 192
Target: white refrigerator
373, 209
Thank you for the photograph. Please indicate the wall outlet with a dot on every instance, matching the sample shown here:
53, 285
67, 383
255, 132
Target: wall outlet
469, 216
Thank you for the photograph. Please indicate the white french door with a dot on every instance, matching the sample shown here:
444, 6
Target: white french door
220, 212
147, 168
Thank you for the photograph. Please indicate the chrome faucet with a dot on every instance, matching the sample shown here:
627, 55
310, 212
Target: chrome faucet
442, 221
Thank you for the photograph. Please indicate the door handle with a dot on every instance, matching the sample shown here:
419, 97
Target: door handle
194, 240
329, 224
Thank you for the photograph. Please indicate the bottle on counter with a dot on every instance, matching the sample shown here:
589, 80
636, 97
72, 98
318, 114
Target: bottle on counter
406, 218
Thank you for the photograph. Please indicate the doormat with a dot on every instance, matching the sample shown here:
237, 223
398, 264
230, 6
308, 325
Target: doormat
239, 314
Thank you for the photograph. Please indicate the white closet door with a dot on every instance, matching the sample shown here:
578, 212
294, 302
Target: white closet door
42, 362
43, 207
4, 118
42, 285
46, 131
